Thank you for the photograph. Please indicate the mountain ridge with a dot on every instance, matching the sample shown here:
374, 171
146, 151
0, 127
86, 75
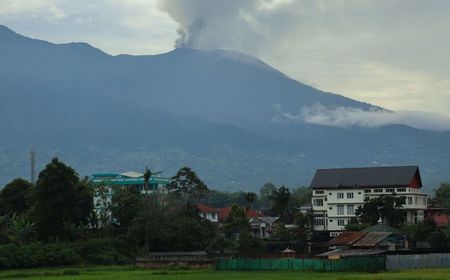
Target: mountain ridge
211, 110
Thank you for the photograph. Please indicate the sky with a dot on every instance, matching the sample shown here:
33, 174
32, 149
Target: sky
392, 53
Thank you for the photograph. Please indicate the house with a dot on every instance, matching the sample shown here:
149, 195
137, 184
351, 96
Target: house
262, 227
337, 193
209, 213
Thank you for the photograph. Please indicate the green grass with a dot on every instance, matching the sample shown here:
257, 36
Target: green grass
132, 273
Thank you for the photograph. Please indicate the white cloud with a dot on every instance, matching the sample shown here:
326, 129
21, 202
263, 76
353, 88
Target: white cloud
348, 117
120, 26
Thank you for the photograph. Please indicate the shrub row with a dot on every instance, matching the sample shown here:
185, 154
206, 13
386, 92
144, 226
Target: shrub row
58, 254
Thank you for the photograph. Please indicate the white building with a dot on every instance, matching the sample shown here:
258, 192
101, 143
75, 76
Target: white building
337, 193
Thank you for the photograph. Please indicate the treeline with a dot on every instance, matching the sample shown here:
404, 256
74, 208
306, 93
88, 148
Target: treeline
54, 222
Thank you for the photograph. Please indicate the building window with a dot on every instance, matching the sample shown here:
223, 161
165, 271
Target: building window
401, 190
350, 209
340, 209
390, 190
340, 195
367, 191
334, 234
341, 222
318, 202
409, 200
319, 192
349, 195
416, 200
378, 190
319, 222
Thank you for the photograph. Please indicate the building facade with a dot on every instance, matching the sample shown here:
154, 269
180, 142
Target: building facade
110, 182
337, 193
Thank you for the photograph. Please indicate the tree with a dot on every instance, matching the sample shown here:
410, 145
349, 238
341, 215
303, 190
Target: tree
13, 197
250, 197
249, 246
84, 200
280, 200
190, 231
265, 194
187, 184
386, 207
442, 197
55, 207
300, 196
236, 222
125, 205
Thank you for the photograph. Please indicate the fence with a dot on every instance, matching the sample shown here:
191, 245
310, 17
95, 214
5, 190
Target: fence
366, 263
398, 262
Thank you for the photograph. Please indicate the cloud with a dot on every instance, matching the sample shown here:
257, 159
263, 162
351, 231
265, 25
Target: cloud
376, 117
120, 26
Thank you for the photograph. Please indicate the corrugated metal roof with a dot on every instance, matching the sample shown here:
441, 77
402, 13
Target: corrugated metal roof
365, 177
353, 252
371, 239
346, 238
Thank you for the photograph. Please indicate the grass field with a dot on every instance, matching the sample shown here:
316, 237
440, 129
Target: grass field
131, 273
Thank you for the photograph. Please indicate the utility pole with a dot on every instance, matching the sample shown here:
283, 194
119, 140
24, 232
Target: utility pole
33, 164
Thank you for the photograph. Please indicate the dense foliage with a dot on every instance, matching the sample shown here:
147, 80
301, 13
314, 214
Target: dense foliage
55, 222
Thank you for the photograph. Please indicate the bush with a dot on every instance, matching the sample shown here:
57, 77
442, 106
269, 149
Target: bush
37, 254
95, 251
100, 251
70, 271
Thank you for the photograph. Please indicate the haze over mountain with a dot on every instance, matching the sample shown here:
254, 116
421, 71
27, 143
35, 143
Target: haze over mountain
228, 115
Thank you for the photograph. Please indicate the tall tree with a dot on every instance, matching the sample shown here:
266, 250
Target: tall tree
55, 208
281, 198
188, 185
13, 197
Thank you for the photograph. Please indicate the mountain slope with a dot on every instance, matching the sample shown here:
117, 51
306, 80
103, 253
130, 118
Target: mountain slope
211, 110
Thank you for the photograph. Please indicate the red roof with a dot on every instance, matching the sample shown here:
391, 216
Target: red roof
441, 219
223, 213
205, 208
